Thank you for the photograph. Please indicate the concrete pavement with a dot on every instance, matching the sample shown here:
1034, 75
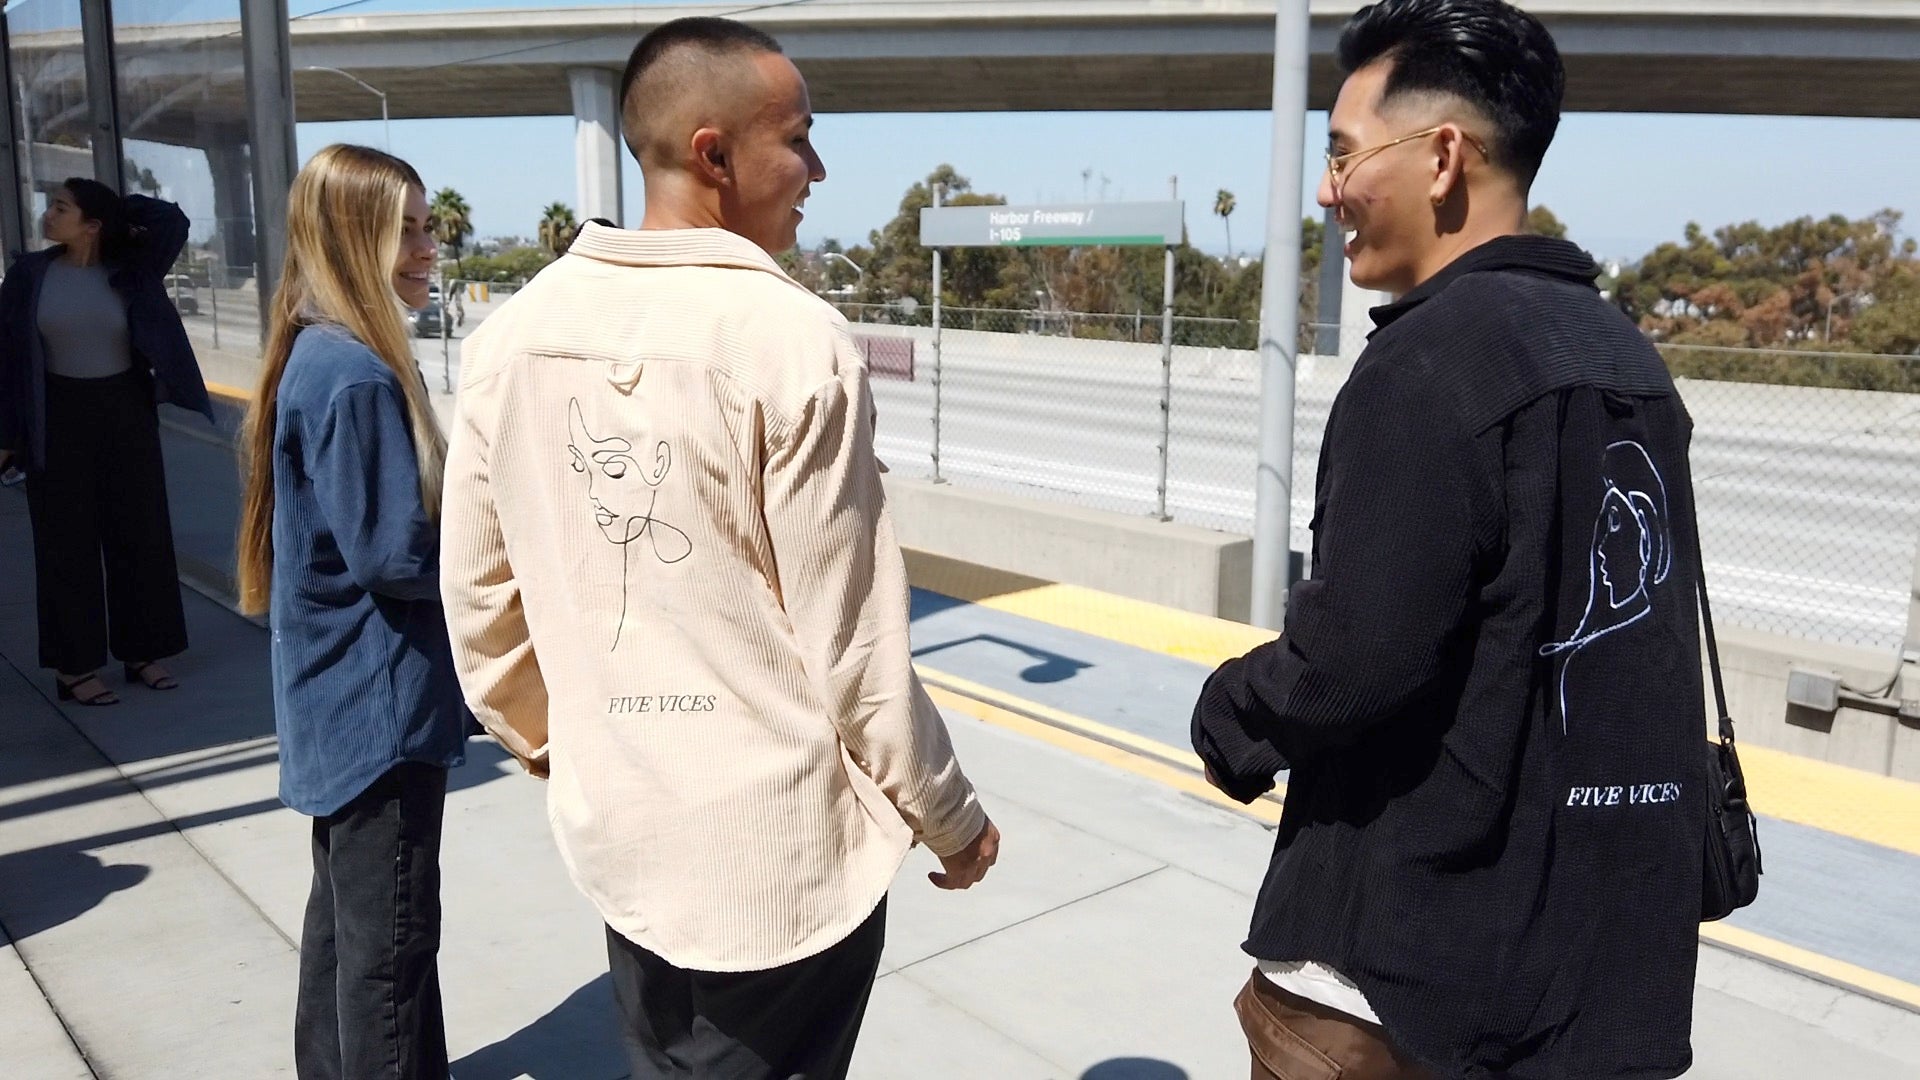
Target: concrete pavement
153, 887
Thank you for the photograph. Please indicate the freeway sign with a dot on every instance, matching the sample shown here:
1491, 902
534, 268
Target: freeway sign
1155, 224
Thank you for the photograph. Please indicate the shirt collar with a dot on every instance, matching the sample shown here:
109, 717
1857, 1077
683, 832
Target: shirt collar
1535, 254
674, 247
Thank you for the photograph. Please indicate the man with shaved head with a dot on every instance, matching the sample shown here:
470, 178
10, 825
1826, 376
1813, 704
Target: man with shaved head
674, 590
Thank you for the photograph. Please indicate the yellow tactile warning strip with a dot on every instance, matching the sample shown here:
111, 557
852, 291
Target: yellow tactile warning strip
1833, 798
234, 394
1180, 770
1131, 761
1134, 753
1199, 638
1146, 758
1872, 983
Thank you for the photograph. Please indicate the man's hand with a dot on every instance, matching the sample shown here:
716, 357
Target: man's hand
964, 868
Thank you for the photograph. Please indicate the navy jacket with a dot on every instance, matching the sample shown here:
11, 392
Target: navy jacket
153, 325
363, 673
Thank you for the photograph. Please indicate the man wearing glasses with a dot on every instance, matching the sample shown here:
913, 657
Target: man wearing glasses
1489, 694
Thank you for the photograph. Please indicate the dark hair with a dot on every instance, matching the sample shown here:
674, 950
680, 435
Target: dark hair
709, 34
1490, 54
98, 202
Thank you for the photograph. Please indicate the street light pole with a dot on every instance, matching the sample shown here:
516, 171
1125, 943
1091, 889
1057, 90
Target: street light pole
857, 268
386, 126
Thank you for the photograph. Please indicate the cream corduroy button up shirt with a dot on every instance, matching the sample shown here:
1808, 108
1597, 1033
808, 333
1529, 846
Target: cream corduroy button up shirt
673, 589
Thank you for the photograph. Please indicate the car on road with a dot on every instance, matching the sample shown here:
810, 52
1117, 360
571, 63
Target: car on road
185, 294
427, 322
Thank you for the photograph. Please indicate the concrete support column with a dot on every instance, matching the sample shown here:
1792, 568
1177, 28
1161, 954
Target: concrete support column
233, 205
1333, 286
596, 143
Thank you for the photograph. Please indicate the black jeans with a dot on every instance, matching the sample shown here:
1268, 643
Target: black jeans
100, 505
369, 1005
796, 1022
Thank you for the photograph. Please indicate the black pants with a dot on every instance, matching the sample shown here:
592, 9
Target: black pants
796, 1022
101, 502
369, 1005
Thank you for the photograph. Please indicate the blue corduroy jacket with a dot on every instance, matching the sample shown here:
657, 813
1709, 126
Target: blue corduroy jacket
363, 674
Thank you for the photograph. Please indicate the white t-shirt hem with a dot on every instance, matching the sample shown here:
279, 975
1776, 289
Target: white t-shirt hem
1319, 983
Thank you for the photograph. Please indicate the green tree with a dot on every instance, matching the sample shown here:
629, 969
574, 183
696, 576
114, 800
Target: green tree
1771, 287
1542, 222
510, 264
557, 228
1223, 207
452, 224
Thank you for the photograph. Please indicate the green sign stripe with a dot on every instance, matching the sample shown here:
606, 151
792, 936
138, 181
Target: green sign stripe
1087, 241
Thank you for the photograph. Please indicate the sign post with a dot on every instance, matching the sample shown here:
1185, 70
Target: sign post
1140, 224
937, 478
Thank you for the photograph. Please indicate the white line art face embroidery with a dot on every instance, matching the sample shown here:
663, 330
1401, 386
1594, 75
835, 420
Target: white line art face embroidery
1632, 554
623, 495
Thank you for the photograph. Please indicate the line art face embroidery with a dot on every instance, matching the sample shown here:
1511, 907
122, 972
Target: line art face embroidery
623, 496
1632, 554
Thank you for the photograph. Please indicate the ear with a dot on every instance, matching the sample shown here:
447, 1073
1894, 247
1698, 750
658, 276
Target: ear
1449, 164
710, 157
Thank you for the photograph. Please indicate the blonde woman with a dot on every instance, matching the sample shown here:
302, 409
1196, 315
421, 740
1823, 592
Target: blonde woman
339, 545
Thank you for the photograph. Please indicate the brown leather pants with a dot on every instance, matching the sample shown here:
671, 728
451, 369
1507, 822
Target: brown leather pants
1293, 1038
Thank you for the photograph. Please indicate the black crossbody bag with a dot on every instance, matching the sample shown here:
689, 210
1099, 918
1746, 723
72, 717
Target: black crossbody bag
1731, 878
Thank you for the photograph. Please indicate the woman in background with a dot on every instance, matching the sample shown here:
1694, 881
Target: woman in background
89, 342
339, 544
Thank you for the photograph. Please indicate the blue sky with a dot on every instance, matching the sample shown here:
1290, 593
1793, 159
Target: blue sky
1623, 183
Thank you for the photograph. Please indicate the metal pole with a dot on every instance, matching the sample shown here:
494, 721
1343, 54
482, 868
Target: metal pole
386, 125
96, 42
937, 478
1166, 390
269, 75
1279, 319
213, 290
446, 353
19, 195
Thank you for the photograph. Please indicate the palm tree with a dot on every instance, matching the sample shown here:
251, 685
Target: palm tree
1224, 205
557, 227
452, 223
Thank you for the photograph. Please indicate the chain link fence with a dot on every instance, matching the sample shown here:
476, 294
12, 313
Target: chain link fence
1807, 475
1807, 468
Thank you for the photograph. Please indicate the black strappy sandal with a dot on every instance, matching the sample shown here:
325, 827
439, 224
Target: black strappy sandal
163, 681
70, 691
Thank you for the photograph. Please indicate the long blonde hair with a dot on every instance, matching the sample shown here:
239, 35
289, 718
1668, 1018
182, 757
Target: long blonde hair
344, 224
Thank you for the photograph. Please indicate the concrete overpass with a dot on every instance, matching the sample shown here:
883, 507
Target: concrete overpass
1801, 57
1787, 57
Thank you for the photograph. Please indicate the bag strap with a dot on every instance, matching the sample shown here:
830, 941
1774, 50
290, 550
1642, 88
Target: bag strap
1706, 626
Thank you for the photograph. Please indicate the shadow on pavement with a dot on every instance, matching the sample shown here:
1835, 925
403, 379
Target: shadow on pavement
245, 757
1135, 1069
1047, 666
46, 887
576, 1041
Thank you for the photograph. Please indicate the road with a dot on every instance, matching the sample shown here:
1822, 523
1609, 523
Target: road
1809, 499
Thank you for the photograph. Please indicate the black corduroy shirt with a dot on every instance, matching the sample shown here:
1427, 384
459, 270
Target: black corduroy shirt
1489, 692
